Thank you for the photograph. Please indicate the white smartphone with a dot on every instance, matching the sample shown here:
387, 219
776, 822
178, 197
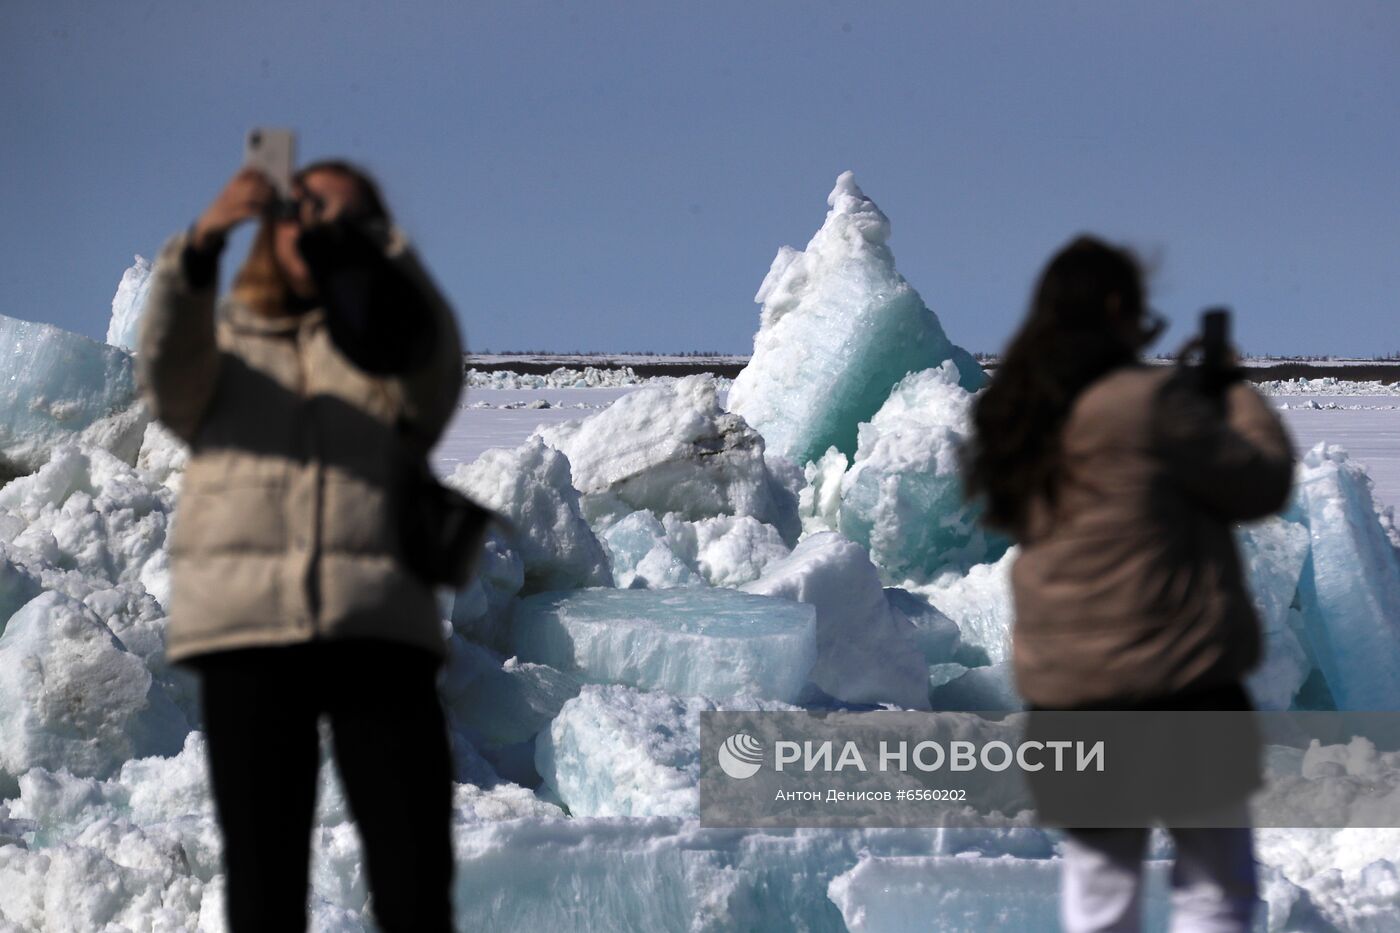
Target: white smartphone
273, 152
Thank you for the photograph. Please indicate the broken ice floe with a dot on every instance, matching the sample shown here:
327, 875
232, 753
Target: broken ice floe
58, 387
706, 641
672, 449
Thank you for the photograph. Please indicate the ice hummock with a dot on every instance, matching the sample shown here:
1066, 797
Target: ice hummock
1350, 587
481, 610
727, 550
867, 651
128, 304
903, 494
531, 485
1274, 552
59, 386
642, 556
980, 602
839, 327
670, 448
704, 641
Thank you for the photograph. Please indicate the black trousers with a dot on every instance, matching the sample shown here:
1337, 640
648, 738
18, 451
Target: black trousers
261, 708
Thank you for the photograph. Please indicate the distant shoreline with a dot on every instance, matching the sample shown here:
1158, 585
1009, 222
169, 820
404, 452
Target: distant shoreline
1386, 372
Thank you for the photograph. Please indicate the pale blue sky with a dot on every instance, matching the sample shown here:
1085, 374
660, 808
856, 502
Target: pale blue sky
618, 176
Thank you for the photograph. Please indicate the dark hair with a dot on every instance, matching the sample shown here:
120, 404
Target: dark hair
366, 189
1065, 343
260, 283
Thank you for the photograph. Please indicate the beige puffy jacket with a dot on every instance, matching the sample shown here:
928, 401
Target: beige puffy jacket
1131, 589
284, 531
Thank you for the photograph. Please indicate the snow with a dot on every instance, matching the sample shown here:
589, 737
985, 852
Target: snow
140, 850
589, 377
162, 456
642, 557
819, 501
670, 448
711, 642
1368, 435
60, 386
867, 651
86, 510
128, 303
727, 550
73, 697
839, 327
488, 418
531, 485
1349, 879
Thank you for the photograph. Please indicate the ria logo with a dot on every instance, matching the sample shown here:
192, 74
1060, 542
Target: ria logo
741, 756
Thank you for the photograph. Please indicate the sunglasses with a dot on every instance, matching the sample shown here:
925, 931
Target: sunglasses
1152, 326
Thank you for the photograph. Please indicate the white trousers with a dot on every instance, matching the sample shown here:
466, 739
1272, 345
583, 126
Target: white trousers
1214, 888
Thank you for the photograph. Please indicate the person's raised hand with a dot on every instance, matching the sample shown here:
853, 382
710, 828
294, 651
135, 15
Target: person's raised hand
246, 195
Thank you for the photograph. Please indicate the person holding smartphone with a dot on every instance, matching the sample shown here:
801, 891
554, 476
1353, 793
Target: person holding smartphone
1121, 483
298, 395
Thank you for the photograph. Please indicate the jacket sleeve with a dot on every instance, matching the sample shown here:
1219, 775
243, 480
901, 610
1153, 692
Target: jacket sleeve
177, 364
430, 391
1232, 454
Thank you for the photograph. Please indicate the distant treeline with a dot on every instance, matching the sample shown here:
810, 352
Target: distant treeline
1253, 358
1384, 369
980, 355
601, 353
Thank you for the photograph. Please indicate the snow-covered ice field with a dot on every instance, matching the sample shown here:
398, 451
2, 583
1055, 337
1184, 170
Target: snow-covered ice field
499, 423
1368, 426
1371, 435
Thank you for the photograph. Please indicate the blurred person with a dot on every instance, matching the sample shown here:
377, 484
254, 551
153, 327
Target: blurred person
332, 362
1121, 481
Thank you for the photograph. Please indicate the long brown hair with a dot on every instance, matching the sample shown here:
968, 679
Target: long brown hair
260, 282
1065, 343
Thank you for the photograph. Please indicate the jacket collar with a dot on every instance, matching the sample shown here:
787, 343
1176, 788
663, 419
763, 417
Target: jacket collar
244, 319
